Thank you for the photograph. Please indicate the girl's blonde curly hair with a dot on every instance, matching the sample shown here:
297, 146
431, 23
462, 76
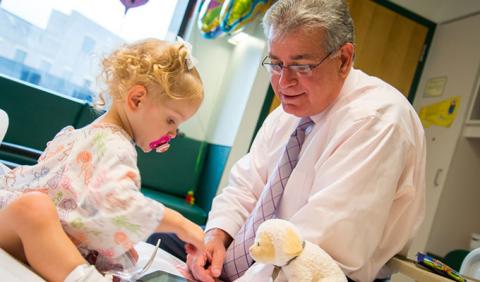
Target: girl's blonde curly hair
153, 63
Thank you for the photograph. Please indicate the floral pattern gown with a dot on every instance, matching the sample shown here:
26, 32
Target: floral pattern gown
91, 175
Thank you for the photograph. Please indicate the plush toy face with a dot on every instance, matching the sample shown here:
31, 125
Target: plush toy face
263, 249
276, 243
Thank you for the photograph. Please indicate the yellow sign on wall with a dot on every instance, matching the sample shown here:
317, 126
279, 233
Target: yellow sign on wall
440, 114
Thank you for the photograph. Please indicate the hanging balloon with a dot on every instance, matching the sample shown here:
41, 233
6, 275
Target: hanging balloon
236, 14
208, 18
132, 3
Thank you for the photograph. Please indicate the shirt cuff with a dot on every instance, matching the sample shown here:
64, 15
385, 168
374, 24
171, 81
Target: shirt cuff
223, 223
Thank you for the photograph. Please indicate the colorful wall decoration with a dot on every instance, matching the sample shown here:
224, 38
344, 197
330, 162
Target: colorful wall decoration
217, 17
132, 4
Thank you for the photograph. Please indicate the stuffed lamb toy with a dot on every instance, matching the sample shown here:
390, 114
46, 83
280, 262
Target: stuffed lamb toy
279, 243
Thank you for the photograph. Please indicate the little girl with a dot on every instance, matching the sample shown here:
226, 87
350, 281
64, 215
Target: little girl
90, 196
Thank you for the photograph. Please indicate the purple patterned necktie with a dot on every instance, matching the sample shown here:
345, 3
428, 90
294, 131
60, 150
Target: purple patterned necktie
237, 259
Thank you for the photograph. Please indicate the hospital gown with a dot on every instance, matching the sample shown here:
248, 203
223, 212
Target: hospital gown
91, 175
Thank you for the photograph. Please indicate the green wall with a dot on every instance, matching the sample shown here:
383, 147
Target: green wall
36, 115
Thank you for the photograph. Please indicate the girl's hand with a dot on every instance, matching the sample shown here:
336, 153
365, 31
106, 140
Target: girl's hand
193, 235
207, 266
186, 230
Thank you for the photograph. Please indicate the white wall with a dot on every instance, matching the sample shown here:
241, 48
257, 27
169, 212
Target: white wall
231, 76
458, 209
236, 89
454, 54
440, 11
214, 59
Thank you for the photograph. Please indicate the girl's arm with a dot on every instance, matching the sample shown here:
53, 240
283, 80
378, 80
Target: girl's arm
185, 229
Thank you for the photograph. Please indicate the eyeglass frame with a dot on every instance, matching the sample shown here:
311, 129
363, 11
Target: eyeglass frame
311, 67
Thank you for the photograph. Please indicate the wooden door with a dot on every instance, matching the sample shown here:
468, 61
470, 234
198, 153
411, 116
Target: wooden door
388, 44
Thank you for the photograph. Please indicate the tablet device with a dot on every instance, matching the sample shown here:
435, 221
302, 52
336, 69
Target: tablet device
162, 276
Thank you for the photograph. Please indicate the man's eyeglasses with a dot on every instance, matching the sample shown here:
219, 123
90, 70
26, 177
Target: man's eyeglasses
300, 70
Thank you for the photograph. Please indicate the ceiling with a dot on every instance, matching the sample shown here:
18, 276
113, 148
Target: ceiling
440, 11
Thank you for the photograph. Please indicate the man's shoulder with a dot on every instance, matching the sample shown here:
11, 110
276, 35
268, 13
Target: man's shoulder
370, 96
373, 87
367, 99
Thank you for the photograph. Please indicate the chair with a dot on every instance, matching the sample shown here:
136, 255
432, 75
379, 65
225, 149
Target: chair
3, 131
3, 124
455, 258
470, 266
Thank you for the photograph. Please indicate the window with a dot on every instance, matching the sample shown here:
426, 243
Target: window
62, 41
20, 56
87, 83
67, 73
31, 76
45, 66
88, 45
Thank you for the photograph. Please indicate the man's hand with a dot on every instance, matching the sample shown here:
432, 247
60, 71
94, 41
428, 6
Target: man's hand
207, 266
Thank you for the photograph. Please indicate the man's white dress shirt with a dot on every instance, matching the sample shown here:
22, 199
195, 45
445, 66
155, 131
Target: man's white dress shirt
358, 190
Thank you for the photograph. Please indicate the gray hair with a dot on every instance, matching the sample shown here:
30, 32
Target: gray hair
332, 15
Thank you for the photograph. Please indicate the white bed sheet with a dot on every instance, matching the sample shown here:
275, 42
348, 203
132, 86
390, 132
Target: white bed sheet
14, 271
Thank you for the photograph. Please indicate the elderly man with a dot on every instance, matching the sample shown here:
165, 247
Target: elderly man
343, 158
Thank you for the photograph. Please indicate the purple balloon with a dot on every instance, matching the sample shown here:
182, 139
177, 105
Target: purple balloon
132, 3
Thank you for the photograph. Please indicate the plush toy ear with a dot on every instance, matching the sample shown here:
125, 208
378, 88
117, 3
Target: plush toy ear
292, 246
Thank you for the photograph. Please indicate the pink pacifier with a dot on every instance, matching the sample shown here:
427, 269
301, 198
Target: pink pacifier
161, 145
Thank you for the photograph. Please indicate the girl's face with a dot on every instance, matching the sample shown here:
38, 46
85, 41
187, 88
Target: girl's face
155, 117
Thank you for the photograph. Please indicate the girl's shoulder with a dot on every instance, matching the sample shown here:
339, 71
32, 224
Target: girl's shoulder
108, 127
65, 132
93, 132
104, 139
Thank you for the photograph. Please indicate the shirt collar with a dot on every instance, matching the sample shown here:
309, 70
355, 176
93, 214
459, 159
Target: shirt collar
348, 84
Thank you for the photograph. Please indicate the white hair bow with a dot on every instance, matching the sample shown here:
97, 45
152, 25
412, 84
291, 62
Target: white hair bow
190, 59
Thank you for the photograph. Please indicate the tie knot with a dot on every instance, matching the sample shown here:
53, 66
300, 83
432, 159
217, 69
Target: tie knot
304, 123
